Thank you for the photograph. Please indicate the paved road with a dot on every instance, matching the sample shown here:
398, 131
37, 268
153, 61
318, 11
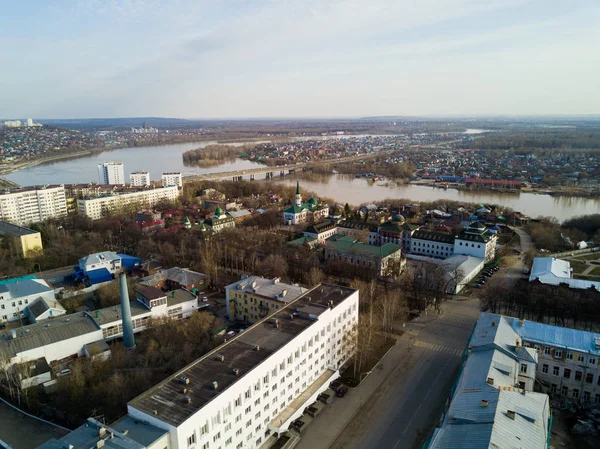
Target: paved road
407, 408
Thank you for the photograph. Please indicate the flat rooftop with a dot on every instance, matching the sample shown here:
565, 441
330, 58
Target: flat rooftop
13, 229
166, 400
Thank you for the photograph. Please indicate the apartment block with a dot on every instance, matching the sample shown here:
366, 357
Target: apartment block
32, 204
96, 208
111, 173
172, 179
28, 241
139, 178
258, 382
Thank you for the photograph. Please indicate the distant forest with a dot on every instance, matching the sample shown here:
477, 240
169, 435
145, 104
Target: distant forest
539, 139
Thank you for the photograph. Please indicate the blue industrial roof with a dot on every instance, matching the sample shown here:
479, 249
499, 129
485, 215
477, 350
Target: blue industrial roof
99, 275
129, 262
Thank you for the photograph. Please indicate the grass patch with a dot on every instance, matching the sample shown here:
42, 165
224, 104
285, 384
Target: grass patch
593, 256
595, 272
577, 266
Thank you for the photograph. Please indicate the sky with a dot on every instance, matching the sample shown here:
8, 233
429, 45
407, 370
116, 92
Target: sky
305, 58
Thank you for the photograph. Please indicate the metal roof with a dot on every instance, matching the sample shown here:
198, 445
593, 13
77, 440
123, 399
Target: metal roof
15, 230
99, 258
553, 271
267, 288
26, 287
166, 401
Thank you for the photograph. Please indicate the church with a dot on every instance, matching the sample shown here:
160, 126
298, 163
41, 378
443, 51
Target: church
308, 212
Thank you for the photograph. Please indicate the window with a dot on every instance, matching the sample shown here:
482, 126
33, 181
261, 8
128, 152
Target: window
205, 445
547, 350
569, 356
597, 398
555, 370
589, 378
575, 393
545, 369
191, 439
567, 374
578, 375
586, 396
564, 390
581, 358
553, 388
216, 437
204, 429
523, 367
248, 409
592, 361
557, 354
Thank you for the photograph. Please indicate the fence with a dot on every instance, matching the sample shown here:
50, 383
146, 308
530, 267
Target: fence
576, 252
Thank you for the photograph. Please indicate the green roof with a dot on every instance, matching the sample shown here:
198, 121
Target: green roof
346, 244
293, 209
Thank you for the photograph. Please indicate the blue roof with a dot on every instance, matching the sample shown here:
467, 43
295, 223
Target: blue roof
99, 275
547, 334
15, 280
129, 262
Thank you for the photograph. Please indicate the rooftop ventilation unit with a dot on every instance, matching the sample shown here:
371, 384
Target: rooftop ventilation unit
257, 348
511, 414
100, 444
484, 403
184, 380
184, 390
187, 399
220, 357
236, 371
490, 380
215, 384
101, 431
493, 323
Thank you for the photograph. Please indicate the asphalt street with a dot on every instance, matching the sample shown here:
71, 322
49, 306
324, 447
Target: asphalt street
405, 413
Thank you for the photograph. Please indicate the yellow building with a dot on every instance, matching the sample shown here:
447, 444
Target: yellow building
254, 298
28, 242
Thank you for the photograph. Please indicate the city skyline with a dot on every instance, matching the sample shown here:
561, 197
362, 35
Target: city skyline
299, 59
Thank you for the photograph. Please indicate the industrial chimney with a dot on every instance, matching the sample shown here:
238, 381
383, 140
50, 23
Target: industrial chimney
128, 339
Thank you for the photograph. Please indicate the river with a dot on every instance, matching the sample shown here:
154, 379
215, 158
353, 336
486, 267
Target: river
156, 160
168, 158
345, 189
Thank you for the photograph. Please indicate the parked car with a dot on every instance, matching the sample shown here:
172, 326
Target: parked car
341, 392
204, 299
63, 372
477, 286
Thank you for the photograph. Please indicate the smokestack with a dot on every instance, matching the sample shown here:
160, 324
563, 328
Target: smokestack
128, 339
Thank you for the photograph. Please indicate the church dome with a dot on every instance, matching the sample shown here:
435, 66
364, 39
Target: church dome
398, 219
218, 211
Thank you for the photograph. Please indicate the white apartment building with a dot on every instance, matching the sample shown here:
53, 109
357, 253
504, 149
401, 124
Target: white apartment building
257, 383
111, 173
106, 259
32, 204
16, 296
96, 208
172, 179
139, 178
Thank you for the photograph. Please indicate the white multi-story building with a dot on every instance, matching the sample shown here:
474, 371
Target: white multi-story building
29, 122
260, 381
432, 244
106, 259
172, 179
139, 178
111, 173
32, 204
16, 296
477, 242
12, 123
96, 208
